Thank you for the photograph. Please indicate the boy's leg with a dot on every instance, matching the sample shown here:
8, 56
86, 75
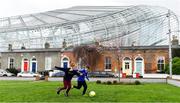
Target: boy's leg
85, 87
79, 85
68, 88
65, 86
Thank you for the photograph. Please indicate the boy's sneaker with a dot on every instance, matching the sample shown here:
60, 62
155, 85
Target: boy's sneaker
58, 91
66, 94
84, 95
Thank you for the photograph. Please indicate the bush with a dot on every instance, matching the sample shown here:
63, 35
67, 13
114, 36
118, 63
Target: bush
175, 66
13, 70
98, 81
104, 82
115, 82
137, 82
109, 82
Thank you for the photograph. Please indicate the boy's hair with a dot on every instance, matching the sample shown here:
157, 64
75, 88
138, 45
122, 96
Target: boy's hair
87, 67
72, 64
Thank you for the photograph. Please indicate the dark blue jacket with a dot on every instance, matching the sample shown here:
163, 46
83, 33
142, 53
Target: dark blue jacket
83, 75
68, 74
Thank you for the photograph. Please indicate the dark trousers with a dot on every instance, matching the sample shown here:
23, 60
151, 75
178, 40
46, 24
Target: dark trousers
80, 84
67, 85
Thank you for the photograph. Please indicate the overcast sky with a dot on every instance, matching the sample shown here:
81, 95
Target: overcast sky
20, 7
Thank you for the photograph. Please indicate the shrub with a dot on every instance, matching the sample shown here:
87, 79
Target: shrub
120, 83
137, 82
98, 81
175, 66
115, 82
13, 70
104, 82
109, 82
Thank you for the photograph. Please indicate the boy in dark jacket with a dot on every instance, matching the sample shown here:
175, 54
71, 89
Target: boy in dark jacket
69, 73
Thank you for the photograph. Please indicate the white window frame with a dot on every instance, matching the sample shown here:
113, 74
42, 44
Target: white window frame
107, 63
9, 62
48, 63
160, 63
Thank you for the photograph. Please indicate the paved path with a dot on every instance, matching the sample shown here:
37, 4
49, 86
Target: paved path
149, 80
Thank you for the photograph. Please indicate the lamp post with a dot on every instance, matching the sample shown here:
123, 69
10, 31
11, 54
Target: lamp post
170, 45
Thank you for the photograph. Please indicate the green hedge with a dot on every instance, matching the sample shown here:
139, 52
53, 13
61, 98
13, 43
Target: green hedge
175, 66
13, 70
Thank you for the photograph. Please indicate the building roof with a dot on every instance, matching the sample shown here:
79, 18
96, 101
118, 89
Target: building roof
105, 48
110, 25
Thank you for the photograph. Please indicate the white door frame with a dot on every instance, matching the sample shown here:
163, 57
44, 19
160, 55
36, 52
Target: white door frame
130, 66
62, 61
33, 61
142, 62
22, 65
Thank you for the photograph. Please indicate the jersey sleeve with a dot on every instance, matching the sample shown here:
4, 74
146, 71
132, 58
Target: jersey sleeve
86, 75
60, 68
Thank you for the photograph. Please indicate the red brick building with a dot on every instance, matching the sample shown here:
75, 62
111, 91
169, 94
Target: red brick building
132, 60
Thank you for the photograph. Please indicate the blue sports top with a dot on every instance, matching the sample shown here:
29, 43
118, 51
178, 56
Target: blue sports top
84, 75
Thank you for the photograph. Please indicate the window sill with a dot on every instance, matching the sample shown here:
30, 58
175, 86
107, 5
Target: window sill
107, 70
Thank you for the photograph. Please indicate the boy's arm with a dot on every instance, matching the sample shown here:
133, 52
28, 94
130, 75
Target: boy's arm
77, 73
87, 76
59, 68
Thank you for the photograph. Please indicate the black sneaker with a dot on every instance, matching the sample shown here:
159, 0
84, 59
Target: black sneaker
58, 92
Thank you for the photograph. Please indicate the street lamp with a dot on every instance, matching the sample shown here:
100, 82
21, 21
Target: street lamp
170, 45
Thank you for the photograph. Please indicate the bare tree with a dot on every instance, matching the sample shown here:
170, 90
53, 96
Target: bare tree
89, 55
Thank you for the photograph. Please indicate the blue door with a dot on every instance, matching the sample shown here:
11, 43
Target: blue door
34, 67
139, 67
65, 64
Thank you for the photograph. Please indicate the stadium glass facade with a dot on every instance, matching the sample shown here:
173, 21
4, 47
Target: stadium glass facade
110, 25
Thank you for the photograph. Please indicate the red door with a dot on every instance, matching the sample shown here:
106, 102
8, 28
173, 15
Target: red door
25, 66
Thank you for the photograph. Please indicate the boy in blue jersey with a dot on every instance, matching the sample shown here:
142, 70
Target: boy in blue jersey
81, 80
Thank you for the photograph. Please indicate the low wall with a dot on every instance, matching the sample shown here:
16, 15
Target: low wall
145, 80
175, 82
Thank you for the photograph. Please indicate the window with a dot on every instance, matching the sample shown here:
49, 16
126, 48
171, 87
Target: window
33, 59
126, 65
65, 59
160, 64
107, 63
127, 60
11, 63
48, 63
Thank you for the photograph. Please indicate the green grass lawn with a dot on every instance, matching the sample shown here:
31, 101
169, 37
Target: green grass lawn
41, 91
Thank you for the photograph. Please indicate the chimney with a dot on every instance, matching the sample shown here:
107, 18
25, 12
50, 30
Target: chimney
175, 41
47, 45
10, 47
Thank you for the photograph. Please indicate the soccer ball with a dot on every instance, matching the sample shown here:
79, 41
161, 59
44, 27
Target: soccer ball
92, 93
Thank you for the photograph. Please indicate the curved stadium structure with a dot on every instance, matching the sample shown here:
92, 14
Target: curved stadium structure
111, 25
